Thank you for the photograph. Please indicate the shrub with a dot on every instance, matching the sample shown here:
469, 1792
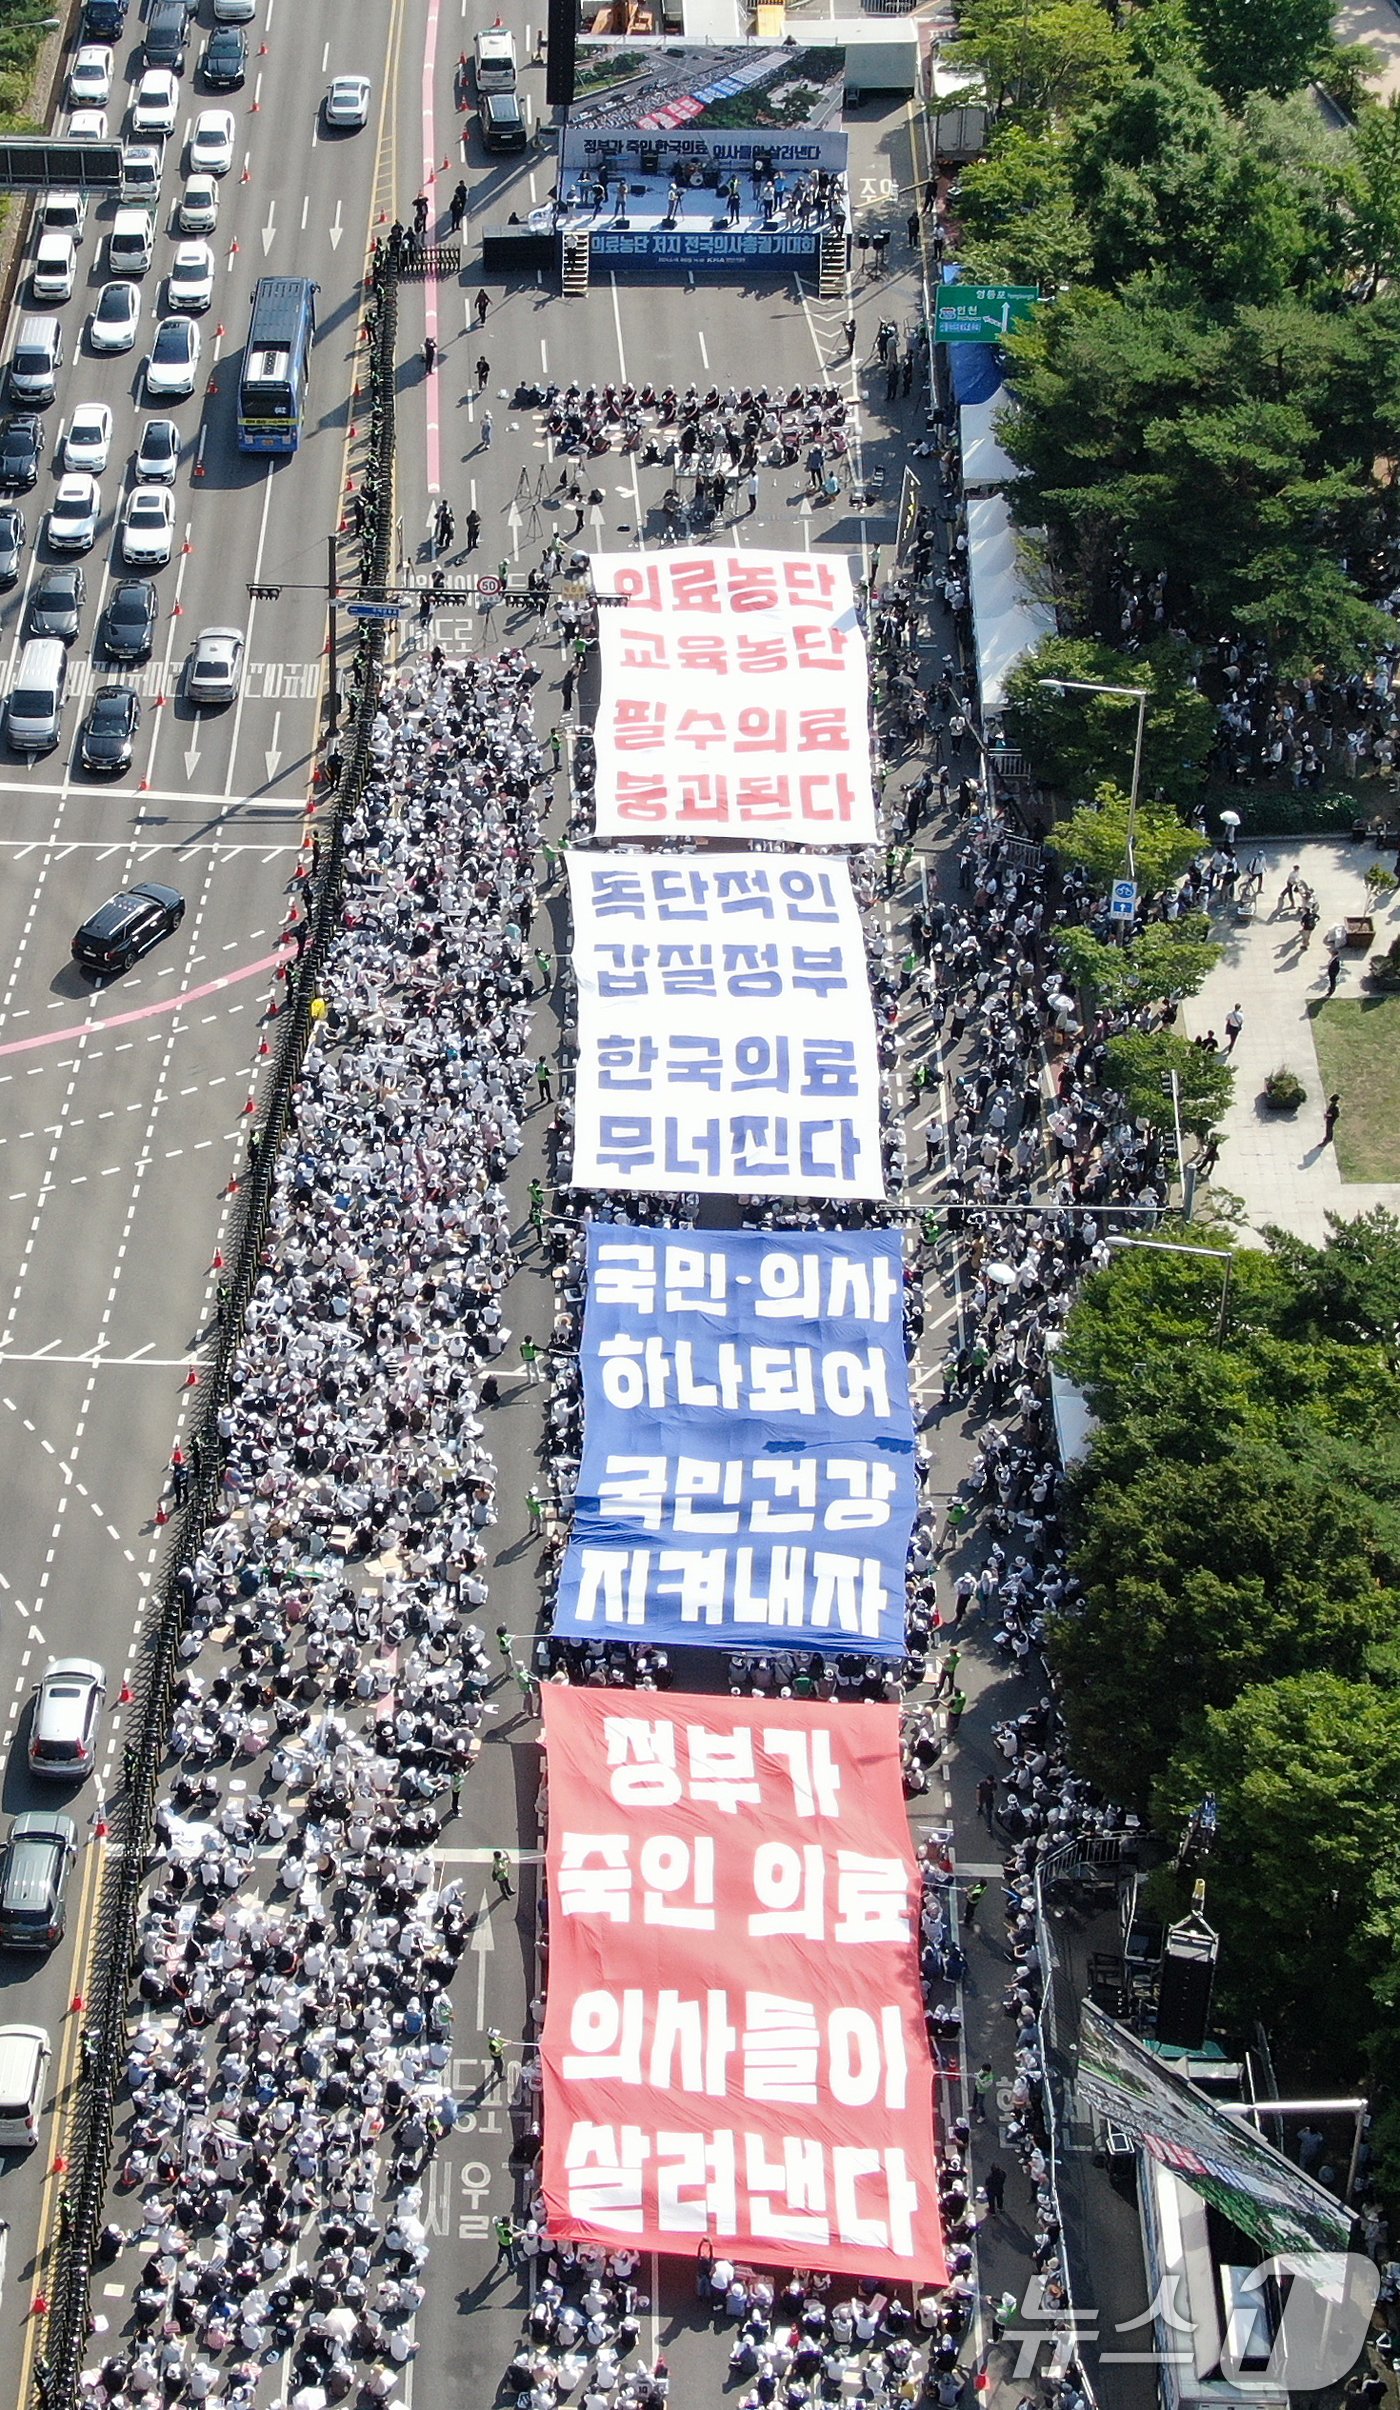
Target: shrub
1284, 1091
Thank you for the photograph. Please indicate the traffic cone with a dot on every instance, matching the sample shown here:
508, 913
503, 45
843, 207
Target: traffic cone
252, 1104
264, 1048
125, 1695
262, 50
252, 112
60, 2166
199, 468
142, 786
230, 1191
187, 546
76, 2005
191, 1378
234, 244
217, 1264
159, 702
177, 610
245, 178
217, 332
39, 2306
161, 1516
100, 1829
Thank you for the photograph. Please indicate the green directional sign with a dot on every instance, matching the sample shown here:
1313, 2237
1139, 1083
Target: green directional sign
981, 313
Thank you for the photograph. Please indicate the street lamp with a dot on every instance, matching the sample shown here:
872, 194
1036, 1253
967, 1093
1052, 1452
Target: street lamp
1137, 694
1171, 1246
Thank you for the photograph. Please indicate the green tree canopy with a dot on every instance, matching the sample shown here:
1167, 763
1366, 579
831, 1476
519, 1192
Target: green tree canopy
1199, 1581
1164, 958
1260, 45
1020, 220
1304, 1877
1373, 194
1096, 838
1039, 55
1075, 740
1140, 1065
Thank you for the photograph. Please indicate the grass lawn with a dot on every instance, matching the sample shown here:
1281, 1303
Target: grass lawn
1358, 1054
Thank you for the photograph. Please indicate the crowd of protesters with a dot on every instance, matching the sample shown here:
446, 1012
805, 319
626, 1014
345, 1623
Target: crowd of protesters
289, 2075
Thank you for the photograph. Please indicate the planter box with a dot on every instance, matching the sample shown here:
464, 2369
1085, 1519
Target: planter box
1361, 930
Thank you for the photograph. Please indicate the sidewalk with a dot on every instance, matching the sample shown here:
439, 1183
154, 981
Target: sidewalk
1278, 1163
1377, 23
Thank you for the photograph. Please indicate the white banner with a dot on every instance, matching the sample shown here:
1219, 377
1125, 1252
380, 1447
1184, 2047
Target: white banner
734, 698
726, 1038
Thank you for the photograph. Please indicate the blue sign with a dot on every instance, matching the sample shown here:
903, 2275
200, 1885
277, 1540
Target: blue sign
748, 1474
696, 247
374, 610
1122, 904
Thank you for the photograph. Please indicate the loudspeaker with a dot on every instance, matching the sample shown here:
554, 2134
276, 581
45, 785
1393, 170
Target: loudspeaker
561, 57
1187, 1981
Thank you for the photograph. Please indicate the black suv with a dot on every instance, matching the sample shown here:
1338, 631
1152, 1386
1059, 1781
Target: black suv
225, 58
21, 450
126, 927
128, 623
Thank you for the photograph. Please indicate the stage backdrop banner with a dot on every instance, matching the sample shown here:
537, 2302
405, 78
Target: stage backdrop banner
734, 697
748, 1442
726, 1042
734, 2044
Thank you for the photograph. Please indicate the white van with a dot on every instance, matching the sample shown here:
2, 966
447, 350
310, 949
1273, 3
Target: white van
55, 266
495, 60
36, 360
130, 243
64, 213
35, 708
25, 2051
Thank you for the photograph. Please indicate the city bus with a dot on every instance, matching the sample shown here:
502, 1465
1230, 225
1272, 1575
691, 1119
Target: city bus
276, 364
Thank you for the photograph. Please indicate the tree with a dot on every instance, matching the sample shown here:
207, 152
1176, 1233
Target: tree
1139, 1067
1020, 221
1075, 740
1373, 190
1349, 1289
1096, 838
1199, 1580
1260, 45
1305, 1870
1039, 55
1164, 958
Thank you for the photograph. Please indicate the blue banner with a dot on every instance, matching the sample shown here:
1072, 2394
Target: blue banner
748, 1442
694, 247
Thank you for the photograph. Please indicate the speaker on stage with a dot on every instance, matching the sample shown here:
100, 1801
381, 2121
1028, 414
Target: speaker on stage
1187, 1981
562, 54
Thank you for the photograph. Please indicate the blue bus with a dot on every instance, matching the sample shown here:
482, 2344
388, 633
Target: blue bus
276, 364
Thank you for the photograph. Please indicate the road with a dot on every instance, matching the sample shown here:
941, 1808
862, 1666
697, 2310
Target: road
104, 1293
122, 1109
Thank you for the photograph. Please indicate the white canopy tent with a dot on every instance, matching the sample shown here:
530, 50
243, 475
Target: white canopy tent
1008, 621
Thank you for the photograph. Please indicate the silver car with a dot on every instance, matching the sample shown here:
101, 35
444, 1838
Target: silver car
63, 1730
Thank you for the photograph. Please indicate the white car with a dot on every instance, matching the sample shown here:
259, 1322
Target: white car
148, 527
199, 206
90, 77
173, 364
190, 284
347, 102
211, 143
159, 456
215, 666
157, 103
113, 324
89, 438
233, 12
75, 511
88, 125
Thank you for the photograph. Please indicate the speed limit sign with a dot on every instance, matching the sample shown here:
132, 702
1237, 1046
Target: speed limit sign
488, 589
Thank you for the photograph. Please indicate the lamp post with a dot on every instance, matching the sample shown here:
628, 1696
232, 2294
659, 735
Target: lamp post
1170, 1246
1137, 694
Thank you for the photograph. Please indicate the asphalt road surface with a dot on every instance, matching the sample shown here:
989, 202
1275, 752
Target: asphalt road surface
121, 1117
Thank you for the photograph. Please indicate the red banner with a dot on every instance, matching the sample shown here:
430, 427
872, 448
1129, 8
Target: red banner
734, 2045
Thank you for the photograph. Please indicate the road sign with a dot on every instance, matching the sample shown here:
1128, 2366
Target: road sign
981, 313
43, 163
374, 610
1122, 903
488, 589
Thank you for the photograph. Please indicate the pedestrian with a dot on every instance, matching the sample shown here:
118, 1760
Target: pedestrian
1331, 1118
983, 2086
457, 208
994, 2185
488, 431
753, 494
179, 1475
505, 2239
500, 1874
567, 689
912, 230
849, 331
483, 372
481, 305
459, 1776
1334, 972
496, 2046
544, 964
986, 1800
473, 529
971, 1896
556, 747
534, 1508
504, 1643
544, 1082
1234, 1023
530, 1359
